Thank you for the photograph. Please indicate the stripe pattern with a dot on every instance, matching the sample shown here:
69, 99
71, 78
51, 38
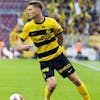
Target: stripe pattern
44, 42
41, 32
40, 55
44, 36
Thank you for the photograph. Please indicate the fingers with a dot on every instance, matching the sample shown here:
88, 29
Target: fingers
26, 47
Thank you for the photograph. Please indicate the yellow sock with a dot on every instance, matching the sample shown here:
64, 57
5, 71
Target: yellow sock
47, 94
83, 91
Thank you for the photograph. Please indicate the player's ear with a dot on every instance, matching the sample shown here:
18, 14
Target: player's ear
38, 10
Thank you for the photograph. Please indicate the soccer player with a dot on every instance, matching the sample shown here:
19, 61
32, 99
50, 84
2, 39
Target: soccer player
47, 35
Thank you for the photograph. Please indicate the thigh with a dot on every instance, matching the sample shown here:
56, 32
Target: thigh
75, 79
47, 69
63, 66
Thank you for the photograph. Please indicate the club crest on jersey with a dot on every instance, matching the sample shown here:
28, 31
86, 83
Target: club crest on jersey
48, 31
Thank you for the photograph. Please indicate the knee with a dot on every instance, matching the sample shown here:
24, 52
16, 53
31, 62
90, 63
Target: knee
75, 79
77, 82
52, 84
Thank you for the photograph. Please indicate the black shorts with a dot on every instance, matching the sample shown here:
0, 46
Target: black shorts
61, 64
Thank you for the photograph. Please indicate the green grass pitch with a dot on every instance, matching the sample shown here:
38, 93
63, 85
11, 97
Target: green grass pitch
23, 76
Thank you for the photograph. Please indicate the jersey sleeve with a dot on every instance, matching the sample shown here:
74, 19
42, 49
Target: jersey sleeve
57, 28
25, 32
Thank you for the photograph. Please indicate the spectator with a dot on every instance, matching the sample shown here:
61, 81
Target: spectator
4, 52
79, 49
99, 52
2, 44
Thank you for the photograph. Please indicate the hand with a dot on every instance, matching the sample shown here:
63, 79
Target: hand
26, 47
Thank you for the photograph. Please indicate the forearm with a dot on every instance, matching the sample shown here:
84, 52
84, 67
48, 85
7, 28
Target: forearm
60, 39
23, 46
20, 43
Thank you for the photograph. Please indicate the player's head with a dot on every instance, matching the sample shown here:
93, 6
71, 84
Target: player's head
34, 9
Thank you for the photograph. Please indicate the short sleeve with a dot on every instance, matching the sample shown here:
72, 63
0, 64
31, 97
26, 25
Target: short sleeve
25, 32
57, 28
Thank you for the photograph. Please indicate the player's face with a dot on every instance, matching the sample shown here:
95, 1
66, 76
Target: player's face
32, 12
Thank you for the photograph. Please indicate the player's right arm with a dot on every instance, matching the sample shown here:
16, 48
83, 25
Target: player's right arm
22, 37
23, 46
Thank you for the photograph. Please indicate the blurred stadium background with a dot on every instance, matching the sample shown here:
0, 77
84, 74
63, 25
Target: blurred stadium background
79, 18
81, 22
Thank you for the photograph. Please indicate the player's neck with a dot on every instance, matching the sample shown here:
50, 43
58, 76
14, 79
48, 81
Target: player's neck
39, 19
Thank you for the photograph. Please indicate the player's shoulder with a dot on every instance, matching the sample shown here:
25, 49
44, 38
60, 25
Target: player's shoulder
28, 24
50, 19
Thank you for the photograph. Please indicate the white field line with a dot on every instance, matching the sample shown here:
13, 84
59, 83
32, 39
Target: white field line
87, 65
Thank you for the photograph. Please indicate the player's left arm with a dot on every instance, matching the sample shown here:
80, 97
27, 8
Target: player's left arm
58, 31
60, 38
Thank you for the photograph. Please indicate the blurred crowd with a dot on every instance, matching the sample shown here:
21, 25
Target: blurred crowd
79, 19
76, 16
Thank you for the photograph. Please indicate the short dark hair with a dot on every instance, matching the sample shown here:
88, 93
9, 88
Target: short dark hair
36, 3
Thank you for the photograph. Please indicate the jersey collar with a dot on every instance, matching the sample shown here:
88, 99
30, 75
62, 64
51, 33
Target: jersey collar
41, 22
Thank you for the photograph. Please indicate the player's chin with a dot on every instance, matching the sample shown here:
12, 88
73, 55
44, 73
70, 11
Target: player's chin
30, 17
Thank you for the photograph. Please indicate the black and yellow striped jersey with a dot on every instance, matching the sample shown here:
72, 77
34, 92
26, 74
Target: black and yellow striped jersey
43, 36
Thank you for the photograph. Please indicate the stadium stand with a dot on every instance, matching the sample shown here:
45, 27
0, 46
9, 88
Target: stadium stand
8, 17
79, 18
9, 11
7, 23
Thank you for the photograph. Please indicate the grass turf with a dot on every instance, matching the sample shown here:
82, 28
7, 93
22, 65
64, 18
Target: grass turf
23, 76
